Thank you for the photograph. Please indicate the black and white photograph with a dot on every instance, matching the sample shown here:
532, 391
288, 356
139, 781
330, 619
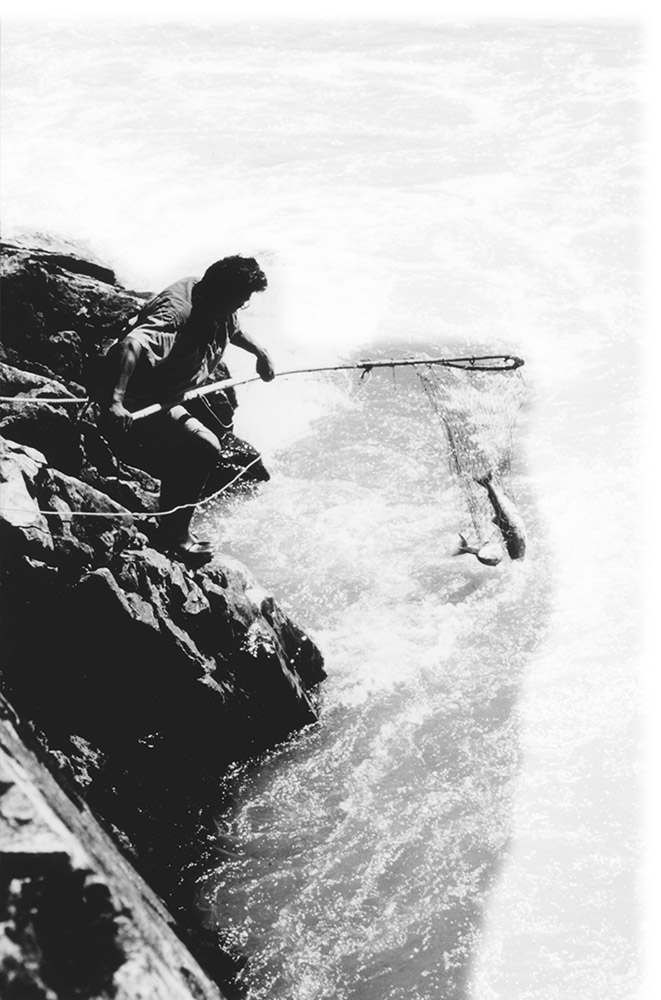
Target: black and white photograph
327, 386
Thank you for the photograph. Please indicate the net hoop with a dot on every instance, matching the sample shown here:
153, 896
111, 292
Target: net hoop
484, 363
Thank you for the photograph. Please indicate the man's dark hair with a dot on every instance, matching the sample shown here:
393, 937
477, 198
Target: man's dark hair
242, 275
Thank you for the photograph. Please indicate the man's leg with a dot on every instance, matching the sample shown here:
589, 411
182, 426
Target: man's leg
192, 453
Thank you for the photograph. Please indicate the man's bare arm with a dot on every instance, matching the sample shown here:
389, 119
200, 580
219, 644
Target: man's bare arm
264, 364
128, 356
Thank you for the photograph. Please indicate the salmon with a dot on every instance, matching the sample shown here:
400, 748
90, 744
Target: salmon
506, 518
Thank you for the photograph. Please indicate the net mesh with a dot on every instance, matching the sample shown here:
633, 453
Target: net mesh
478, 412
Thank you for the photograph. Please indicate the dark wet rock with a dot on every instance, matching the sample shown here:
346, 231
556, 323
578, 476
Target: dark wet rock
136, 490
17, 383
16, 359
143, 679
59, 252
62, 352
49, 430
76, 920
140, 615
45, 296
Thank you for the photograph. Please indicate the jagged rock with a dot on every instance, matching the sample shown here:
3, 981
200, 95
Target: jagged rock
42, 503
63, 353
15, 358
154, 618
45, 294
137, 492
48, 429
20, 468
72, 445
164, 674
55, 250
75, 920
39, 303
16, 382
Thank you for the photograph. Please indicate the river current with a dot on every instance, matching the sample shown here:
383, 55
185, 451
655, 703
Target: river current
464, 821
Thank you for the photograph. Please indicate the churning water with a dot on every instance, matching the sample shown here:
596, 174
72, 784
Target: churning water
463, 822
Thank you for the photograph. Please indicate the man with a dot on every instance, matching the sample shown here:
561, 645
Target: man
175, 344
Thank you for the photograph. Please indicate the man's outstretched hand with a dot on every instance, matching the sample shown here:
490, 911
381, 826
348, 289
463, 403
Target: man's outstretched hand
264, 367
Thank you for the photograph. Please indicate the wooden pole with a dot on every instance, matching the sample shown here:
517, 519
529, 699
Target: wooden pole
507, 363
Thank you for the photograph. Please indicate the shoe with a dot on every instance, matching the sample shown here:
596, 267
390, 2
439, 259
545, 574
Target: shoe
192, 552
204, 543
189, 549
165, 540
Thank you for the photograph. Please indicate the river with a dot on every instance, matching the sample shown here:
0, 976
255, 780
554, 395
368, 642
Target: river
464, 822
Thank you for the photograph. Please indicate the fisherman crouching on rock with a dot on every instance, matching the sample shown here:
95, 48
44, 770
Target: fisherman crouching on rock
175, 344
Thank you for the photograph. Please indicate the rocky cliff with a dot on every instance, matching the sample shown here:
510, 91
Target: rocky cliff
136, 680
76, 920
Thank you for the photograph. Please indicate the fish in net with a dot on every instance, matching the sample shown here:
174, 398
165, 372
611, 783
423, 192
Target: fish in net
478, 410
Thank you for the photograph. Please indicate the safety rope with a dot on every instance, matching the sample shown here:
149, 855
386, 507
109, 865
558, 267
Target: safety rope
52, 400
137, 515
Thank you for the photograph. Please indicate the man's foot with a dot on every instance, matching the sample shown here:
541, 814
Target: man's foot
204, 543
189, 549
193, 553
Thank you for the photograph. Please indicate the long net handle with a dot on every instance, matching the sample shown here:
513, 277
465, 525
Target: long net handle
482, 363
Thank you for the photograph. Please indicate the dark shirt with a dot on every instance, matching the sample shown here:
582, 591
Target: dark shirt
180, 348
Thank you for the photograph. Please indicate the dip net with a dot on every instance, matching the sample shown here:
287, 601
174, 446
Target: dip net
478, 411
